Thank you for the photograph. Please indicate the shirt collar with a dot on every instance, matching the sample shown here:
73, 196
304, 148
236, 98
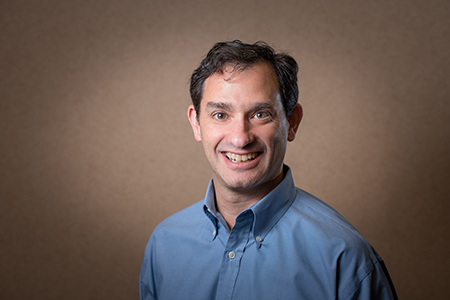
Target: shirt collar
267, 212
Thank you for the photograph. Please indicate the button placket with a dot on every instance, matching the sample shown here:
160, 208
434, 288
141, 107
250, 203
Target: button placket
234, 251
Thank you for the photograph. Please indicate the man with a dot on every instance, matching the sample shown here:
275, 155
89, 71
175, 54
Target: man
255, 235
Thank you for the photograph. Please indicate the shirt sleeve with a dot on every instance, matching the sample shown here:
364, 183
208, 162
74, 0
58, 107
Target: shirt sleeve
147, 284
377, 285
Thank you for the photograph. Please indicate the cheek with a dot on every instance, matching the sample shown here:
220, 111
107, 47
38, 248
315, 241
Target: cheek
278, 147
274, 137
211, 137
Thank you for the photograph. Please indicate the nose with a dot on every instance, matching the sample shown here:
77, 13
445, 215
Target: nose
240, 133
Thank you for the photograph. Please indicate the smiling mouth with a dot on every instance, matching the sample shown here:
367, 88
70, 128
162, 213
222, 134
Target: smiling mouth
241, 157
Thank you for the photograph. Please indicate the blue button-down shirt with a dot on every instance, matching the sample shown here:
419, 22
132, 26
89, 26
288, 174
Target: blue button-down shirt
289, 245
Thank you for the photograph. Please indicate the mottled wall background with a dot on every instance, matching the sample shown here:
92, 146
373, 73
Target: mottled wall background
96, 149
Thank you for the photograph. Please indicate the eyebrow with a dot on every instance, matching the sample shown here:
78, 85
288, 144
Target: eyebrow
262, 106
219, 105
227, 106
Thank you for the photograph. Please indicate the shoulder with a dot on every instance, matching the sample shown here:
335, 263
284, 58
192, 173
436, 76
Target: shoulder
322, 219
335, 242
184, 219
177, 238
328, 228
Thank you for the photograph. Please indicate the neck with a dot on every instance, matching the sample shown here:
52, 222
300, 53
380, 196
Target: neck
230, 206
230, 203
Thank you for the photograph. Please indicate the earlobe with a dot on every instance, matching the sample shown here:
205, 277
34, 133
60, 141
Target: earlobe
294, 121
192, 116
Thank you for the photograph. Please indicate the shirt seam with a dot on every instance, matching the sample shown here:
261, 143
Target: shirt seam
371, 268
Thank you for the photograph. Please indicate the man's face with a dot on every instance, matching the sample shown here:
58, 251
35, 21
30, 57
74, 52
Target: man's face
244, 129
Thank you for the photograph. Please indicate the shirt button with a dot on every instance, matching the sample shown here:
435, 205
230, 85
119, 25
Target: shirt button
231, 254
259, 239
214, 232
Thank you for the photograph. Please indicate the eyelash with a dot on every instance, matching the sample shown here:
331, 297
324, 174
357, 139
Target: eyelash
216, 116
222, 116
264, 113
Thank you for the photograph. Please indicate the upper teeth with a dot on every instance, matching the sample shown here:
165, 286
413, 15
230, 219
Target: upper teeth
241, 157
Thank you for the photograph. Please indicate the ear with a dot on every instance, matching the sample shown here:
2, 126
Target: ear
294, 121
192, 116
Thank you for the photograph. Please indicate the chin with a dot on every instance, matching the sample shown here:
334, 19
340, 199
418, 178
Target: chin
241, 184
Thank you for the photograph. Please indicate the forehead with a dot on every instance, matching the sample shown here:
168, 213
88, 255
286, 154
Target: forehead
255, 82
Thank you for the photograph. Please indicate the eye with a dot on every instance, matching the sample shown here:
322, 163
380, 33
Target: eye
220, 116
262, 115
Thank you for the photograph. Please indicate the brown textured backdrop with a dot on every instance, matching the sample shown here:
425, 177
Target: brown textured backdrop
96, 148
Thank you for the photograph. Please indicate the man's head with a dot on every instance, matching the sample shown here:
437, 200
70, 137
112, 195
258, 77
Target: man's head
242, 119
240, 56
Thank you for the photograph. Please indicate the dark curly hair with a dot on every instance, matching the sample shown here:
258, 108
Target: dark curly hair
241, 56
